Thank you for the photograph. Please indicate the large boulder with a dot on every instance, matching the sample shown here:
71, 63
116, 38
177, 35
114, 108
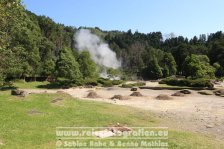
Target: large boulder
219, 92
137, 94
179, 94
20, 93
119, 97
184, 91
163, 97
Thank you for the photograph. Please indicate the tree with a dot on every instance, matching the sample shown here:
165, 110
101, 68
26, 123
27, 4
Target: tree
152, 70
168, 65
47, 57
197, 66
87, 65
68, 67
219, 71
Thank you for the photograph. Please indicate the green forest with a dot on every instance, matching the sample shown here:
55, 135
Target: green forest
33, 46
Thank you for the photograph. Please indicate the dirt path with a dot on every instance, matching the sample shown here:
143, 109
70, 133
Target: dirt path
194, 112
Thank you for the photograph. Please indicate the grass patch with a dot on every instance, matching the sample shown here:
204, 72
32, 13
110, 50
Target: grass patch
19, 129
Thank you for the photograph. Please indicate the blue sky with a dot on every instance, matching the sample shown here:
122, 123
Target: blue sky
182, 17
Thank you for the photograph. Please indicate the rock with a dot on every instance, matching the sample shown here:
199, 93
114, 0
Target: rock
119, 97
219, 92
163, 97
15, 92
23, 93
20, 93
134, 89
137, 94
205, 92
185, 91
178, 94
92, 95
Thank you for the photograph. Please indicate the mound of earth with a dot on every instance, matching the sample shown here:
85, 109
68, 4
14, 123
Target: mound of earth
56, 100
137, 94
205, 92
20, 93
185, 91
92, 94
178, 94
163, 97
119, 97
219, 92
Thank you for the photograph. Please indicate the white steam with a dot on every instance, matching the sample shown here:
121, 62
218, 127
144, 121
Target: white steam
100, 51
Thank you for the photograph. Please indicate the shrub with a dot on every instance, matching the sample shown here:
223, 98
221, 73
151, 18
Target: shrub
108, 83
187, 82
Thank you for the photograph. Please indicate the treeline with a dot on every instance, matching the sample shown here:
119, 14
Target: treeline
36, 46
150, 56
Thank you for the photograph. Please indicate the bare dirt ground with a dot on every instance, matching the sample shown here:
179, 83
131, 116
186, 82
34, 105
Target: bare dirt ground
194, 112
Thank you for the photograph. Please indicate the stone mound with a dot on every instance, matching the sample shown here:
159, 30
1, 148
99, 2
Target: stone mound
163, 97
205, 92
219, 92
178, 94
92, 94
185, 91
137, 94
20, 93
119, 97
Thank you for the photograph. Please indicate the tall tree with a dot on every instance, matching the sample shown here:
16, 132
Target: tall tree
68, 67
87, 65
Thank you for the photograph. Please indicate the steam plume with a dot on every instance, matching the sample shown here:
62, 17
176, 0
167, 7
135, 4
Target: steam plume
100, 51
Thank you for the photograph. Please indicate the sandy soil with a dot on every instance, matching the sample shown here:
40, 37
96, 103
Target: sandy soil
194, 112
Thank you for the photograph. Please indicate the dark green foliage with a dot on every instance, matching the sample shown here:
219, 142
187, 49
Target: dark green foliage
86, 65
68, 67
197, 66
187, 82
152, 70
108, 82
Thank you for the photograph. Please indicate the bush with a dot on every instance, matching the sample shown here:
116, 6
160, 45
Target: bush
92, 81
187, 82
130, 85
108, 83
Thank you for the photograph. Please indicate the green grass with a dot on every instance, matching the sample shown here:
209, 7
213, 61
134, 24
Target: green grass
21, 130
